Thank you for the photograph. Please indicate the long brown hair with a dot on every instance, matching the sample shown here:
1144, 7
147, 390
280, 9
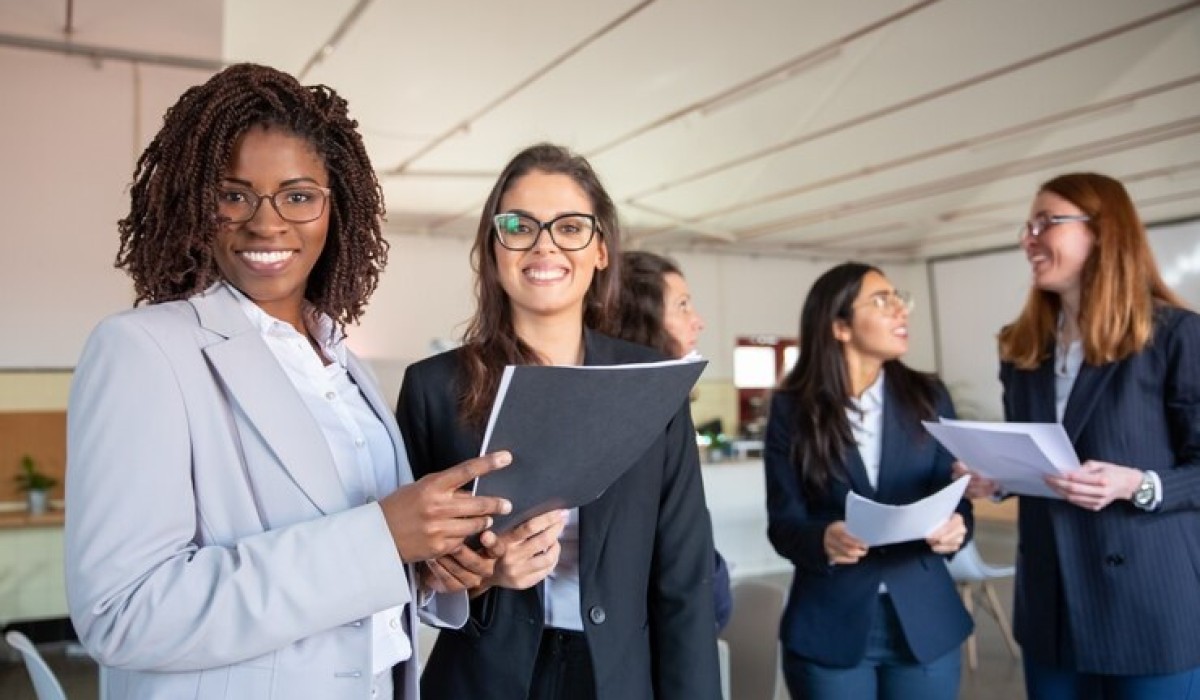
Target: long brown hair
1121, 284
167, 238
643, 286
820, 383
490, 342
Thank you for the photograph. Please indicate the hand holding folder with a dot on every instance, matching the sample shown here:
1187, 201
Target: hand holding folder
573, 431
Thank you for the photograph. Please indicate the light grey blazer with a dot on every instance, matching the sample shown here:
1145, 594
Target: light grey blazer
211, 551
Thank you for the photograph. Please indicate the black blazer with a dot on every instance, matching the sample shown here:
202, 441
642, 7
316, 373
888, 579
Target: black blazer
829, 609
1115, 591
646, 562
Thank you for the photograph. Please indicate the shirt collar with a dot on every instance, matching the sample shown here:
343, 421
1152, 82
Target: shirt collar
872, 398
319, 325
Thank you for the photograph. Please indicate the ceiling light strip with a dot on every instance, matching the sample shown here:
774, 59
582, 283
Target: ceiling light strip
98, 53
1099, 109
749, 86
538, 74
1140, 176
1093, 149
335, 39
897, 107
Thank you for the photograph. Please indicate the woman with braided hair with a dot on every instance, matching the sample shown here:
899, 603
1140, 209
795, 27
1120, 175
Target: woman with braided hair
242, 521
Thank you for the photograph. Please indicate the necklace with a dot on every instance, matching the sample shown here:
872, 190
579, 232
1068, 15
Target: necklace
1063, 343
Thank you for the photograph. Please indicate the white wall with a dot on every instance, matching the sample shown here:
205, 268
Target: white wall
426, 293
750, 295
74, 128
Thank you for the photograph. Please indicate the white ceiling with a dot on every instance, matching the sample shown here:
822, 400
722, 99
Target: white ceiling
890, 129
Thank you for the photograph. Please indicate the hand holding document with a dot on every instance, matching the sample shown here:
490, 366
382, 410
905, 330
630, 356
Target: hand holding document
1018, 456
573, 431
878, 523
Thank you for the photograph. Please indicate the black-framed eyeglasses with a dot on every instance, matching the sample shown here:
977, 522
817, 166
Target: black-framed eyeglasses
890, 303
1042, 222
521, 231
297, 205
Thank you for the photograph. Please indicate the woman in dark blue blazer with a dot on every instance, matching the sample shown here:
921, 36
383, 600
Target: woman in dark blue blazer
860, 623
1107, 578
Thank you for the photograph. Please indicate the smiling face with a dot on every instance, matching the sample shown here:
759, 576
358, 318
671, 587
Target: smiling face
1057, 256
267, 258
874, 335
546, 282
680, 319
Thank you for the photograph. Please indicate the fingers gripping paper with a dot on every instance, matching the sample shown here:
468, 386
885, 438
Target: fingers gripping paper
573, 431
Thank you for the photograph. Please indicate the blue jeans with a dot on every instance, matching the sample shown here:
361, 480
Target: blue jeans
1050, 683
887, 672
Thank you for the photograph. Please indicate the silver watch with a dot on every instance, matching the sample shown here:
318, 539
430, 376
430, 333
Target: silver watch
1146, 493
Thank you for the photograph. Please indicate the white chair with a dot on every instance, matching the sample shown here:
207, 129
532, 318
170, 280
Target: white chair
45, 684
753, 638
970, 571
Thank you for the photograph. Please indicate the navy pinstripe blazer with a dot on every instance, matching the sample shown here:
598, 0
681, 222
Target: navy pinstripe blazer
1117, 591
828, 614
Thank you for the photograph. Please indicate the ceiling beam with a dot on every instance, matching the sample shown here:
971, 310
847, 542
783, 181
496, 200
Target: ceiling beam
101, 53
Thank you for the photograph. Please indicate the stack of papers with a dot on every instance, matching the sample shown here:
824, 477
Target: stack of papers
573, 431
878, 523
1018, 456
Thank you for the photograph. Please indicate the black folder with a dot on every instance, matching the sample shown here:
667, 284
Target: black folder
573, 431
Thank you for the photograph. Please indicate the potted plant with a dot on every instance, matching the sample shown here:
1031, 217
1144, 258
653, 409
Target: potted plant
35, 484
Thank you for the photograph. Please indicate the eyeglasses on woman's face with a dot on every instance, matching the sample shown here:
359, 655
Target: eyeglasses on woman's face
1041, 223
521, 231
297, 205
889, 302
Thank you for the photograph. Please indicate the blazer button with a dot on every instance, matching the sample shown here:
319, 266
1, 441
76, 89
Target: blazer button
597, 615
1114, 560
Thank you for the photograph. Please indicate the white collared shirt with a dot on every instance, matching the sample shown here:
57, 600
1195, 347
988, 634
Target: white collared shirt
866, 424
362, 450
562, 601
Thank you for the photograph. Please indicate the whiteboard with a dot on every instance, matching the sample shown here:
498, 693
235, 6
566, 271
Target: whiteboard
974, 296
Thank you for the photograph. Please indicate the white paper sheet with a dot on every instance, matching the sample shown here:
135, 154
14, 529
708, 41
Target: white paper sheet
1019, 456
878, 523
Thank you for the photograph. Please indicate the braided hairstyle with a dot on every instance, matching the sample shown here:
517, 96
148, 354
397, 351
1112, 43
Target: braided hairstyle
167, 238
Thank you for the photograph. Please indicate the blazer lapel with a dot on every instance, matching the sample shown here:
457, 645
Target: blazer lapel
262, 389
1044, 406
892, 442
857, 471
1089, 385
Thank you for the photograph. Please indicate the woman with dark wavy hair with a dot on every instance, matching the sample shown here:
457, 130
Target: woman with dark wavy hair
241, 518
612, 600
861, 622
1106, 576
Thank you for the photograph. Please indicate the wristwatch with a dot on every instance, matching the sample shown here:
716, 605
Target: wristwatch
1146, 493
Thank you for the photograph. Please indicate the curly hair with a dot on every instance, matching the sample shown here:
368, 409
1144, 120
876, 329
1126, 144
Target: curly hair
167, 238
639, 319
490, 342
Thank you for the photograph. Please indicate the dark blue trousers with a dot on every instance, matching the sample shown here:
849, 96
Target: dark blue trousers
1049, 683
887, 672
